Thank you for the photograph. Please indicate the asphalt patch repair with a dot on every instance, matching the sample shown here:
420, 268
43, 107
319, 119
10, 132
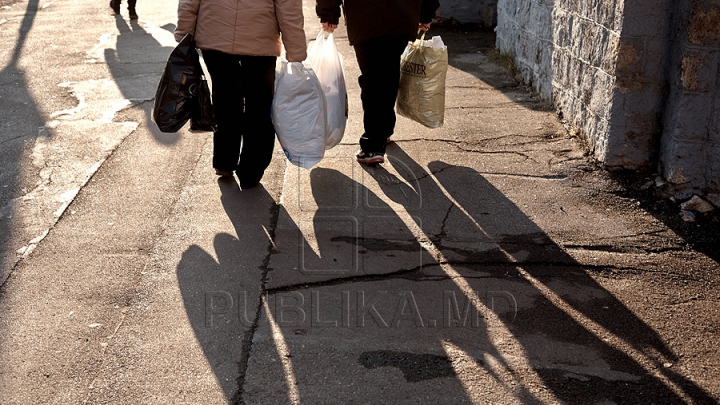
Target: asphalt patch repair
415, 367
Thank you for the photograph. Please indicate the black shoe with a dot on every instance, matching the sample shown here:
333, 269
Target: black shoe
246, 183
115, 6
133, 14
246, 186
223, 173
369, 158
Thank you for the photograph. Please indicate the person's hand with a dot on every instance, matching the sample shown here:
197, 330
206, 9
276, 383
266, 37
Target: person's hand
329, 28
423, 27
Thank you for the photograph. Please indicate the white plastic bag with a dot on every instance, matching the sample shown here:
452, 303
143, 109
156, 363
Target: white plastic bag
298, 114
326, 62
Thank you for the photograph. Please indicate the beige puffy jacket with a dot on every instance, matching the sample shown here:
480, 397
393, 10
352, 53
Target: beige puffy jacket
244, 27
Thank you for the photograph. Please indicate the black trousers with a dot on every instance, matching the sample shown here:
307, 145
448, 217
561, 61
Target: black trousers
242, 94
379, 60
131, 4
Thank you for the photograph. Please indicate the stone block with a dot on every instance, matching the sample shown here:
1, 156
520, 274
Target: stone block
630, 69
609, 14
699, 70
596, 132
542, 17
713, 168
656, 55
629, 147
560, 67
562, 23
681, 163
646, 18
688, 117
713, 156
641, 107
704, 25
608, 57
601, 99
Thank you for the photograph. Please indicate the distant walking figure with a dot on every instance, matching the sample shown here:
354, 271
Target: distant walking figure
240, 42
115, 5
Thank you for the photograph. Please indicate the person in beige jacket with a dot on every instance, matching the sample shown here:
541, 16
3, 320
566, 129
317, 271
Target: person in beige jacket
240, 41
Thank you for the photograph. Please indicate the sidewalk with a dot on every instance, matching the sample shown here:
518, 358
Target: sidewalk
485, 262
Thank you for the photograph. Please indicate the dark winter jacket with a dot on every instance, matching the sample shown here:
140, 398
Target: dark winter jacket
367, 19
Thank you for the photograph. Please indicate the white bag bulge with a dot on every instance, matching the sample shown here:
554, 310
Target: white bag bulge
326, 62
298, 114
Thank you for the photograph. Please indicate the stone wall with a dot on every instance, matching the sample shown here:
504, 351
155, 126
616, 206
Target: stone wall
567, 51
690, 145
639, 79
525, 31
642, 56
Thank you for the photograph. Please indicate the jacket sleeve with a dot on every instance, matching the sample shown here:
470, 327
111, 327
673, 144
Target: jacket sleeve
292, 28
187, 18
427, 11
328, 10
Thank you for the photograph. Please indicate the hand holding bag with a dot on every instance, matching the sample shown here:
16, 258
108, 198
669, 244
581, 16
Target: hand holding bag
182, 91
203, 118
423, 68
326, 62
298, 114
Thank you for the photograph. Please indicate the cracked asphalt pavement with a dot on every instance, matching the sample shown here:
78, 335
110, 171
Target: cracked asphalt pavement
488, 261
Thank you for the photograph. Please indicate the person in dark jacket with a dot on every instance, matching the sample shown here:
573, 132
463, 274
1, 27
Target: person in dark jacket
115, 6
379, 30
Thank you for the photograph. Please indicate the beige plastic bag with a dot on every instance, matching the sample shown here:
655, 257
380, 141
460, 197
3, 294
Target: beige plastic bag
423, 68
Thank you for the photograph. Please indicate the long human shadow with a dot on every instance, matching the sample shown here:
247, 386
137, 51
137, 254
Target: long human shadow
137, 54
493, 235
22, 124
386, 248
221, 296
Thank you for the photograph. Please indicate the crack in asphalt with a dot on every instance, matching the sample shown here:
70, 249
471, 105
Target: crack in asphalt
496, 152
440, 236
344, 280
647, 233
250, 333
399, 274
404, 273
15, 138
503, 106
624, 249
528, 176
485, 88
